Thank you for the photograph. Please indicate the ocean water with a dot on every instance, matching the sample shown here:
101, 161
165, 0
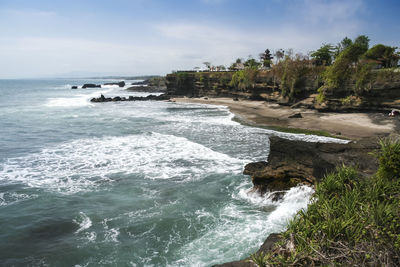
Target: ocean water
128, 183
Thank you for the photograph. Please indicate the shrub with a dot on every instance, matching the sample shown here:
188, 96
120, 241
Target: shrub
293, 74
350, 221
244, 79
389, 159
363, 78
340, 73
383, 54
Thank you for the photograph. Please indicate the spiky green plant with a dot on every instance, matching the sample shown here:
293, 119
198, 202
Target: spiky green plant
350, 221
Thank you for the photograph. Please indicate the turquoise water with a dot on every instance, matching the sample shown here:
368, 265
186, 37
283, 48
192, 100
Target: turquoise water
128, 183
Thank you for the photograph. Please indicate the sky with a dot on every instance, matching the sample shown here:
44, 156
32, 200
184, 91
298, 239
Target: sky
49, 38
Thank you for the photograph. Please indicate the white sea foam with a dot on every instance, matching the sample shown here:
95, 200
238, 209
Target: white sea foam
228, 120
111, 235
84, 222
217, 119
10, 198
110, 86
310, 138
65, 86
295, 199
77, 100
238, 229
85, 164
91, 236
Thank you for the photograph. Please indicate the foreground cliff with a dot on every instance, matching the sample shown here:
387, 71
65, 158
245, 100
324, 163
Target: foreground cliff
354, 218
298, 162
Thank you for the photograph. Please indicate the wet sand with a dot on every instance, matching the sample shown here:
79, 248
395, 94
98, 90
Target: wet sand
354, 126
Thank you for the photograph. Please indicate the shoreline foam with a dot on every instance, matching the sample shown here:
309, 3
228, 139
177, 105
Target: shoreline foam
354, 126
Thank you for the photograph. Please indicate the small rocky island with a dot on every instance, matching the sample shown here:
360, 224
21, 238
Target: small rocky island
102, 98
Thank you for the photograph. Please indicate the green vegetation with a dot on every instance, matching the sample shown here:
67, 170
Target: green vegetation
346, 42
354, 63
293, 73
389, 159
252, 63
157, 81
334, 72
341, 71
294, 76
363, 78
324, 55
383, 55
244, 79
351, 221
266, 58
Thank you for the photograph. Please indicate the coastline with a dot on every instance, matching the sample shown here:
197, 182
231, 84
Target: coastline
353, 126
362, 129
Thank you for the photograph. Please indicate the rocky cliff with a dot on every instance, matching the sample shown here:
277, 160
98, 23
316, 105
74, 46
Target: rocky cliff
382, 92
299, 162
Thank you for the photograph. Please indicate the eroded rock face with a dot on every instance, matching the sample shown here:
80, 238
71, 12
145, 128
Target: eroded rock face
298, 162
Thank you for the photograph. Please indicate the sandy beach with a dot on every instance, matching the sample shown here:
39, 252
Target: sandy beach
354, 126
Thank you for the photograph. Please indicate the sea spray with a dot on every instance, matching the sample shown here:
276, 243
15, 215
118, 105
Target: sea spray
150, 183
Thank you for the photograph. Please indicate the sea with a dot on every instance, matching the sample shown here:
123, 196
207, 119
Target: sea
150, 183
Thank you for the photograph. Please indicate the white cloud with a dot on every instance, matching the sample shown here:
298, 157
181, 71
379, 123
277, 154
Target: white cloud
172, 45
224, 44
331, 12
34, 56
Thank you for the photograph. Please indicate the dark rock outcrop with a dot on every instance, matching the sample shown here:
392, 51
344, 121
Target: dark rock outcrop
130, 98
146, 88
269, 243
120, 84
74, 87
139, 83
153, 85
91, 85
242, 263
295, 116
298, 162
267, 246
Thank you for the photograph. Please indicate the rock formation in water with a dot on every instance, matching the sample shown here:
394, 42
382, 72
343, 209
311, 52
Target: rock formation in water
102, 98
91, 85
120, 84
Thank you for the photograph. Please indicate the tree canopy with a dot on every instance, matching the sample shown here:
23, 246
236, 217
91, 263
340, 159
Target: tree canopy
383, 54
363, 42
323, 56
266, 58
252, 63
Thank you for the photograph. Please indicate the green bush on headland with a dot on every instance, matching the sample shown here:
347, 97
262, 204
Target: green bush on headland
351, 221
244, 79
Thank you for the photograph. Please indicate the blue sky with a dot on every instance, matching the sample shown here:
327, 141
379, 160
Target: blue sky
45, 38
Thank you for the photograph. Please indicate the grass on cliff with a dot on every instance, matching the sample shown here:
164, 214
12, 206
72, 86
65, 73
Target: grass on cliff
350, 221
